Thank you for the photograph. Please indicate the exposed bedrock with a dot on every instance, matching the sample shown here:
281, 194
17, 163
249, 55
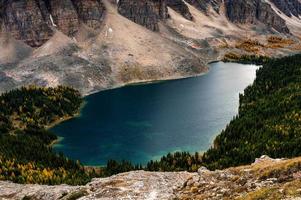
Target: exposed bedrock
266, 15
289, 7
148, 12
144, 12
34, 21
180, 7
65, 16
203, 5
251, 11
90, 12
24, 21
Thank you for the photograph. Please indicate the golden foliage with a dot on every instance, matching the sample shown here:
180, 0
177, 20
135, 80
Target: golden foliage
276, 42
249, 45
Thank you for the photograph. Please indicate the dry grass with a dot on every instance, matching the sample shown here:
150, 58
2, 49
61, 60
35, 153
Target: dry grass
263, 193
283, 170
281, 191
272, 169
287, 173
252, 182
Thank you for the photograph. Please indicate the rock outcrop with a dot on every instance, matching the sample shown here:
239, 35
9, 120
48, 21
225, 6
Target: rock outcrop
269, 17
205, 4
136, 185
251, 11
241, 11
25, 21
64, 16
266, 178
34, 21
144, 12
289, 7
90, 12
180, 7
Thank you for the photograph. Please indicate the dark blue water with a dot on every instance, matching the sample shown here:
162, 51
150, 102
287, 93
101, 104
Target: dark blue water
143, 122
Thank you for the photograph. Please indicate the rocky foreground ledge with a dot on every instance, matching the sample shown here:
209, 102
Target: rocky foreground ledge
266, 178
131, 185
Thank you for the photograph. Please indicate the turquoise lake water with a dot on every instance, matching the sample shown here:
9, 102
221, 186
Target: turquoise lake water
143, 122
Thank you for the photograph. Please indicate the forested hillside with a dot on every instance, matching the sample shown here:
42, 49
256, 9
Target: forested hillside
269, 119
25, 152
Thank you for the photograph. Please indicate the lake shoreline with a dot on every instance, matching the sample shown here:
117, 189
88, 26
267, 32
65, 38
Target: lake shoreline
105, 127
61, 120
151, 81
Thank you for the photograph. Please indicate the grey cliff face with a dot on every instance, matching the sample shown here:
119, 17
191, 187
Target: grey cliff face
241, 11
289, 7
203, 5
144, 12
34, 21
65, 16
266, 15
90, 12
250, 11
180, 7
149, 12
25, 21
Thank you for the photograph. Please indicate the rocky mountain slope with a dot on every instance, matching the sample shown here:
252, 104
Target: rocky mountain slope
266, 178
289, 8
98, 44
252, 11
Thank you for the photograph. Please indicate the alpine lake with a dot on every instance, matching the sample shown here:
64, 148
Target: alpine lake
143, 122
